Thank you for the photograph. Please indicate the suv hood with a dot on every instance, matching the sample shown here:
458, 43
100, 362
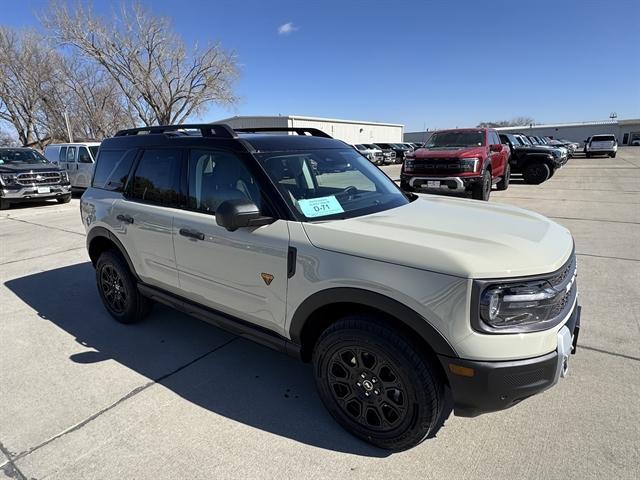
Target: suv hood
451, 152
460, 237
21, 168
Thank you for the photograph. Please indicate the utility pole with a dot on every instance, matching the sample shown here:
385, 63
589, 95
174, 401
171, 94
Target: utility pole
66, 121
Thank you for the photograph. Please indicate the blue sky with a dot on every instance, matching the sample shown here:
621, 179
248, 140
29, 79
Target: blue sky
420, 63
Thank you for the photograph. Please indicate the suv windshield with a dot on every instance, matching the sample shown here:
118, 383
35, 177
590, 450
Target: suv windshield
330, 183
21, 157
456, 139
603, 138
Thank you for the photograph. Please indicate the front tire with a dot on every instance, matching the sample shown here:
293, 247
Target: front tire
64, 199
118, 290
536, 173
4, 204
503, 184
482, 189
613, 155
376, 384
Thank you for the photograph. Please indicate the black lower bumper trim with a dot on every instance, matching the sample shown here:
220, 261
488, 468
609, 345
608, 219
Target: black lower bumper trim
498, 385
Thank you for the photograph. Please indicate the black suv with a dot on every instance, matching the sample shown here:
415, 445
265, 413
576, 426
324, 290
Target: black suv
26, 175
536, 163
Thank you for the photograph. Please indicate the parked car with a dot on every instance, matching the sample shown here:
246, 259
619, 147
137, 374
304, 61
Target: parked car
26, 175
458, 161
558, 151
636, 142
77, 159
536, 164
400, 151
476, 300
602, 145
388, 156
374, 155
570, 146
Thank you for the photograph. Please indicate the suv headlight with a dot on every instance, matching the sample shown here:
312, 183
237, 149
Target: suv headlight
469, 164
7, 179
409, 165
526, 305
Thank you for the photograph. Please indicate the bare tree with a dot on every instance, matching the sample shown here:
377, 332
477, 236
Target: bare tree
98, 105
514, 122
26, 71
162, 80
7, 140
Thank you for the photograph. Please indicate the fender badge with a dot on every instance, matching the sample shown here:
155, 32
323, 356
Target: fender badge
267, 277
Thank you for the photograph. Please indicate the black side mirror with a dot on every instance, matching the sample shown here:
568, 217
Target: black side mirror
239, 213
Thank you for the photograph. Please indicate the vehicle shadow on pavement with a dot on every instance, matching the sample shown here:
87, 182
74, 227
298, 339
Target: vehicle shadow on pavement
238, 379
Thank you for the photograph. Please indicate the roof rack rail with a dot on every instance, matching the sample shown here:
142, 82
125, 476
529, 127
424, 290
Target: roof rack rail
221, 130
314, 132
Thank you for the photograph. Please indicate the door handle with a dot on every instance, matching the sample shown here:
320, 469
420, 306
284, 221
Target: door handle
125, 218
186, 232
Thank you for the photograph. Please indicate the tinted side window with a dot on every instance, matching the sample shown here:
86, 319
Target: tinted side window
83, 155
157, 177
62, 156
112, 169
71, 154
216, 176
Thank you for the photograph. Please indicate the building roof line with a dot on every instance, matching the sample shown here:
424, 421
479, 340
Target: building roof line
322, 119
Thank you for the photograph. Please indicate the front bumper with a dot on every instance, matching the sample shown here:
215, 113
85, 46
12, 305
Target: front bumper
422, 183
481, 387
31, 192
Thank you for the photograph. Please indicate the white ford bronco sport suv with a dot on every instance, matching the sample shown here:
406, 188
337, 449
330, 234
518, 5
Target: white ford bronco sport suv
399, 300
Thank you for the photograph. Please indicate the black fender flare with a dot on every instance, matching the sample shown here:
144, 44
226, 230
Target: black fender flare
102, 232
369, 299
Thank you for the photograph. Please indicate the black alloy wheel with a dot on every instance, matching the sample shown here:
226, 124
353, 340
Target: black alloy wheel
118, 289
503, 184
536, 173
367, 388
113, 289
377, 384
482, 189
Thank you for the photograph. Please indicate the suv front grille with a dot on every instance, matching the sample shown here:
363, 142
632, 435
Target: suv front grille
39, 178
436, 165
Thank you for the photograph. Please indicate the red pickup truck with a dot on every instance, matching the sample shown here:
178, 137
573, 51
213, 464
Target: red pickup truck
458, 161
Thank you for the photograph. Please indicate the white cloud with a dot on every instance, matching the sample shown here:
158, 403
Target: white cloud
287, 28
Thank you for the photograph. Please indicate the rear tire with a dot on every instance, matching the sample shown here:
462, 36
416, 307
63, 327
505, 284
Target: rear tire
376, 384
64, 199
482, 189
503, 184
4, 204
118, 290
536, 173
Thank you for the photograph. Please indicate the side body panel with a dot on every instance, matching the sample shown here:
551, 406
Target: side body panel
148, 239
242, 273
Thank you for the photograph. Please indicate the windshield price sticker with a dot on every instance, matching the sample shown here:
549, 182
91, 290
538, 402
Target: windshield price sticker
319, 207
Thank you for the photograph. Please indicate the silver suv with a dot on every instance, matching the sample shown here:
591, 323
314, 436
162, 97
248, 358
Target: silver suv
296, 241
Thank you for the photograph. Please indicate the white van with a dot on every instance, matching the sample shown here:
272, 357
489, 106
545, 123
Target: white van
78, 159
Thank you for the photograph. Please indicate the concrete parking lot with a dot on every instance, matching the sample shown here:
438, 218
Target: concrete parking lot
84, 397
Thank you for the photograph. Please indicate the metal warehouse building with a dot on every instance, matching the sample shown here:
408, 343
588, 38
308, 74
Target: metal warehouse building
350, 131
625, 131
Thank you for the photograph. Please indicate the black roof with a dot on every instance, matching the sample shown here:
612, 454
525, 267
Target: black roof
222, 135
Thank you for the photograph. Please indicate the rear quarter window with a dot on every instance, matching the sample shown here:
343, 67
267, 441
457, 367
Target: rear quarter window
112, 169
